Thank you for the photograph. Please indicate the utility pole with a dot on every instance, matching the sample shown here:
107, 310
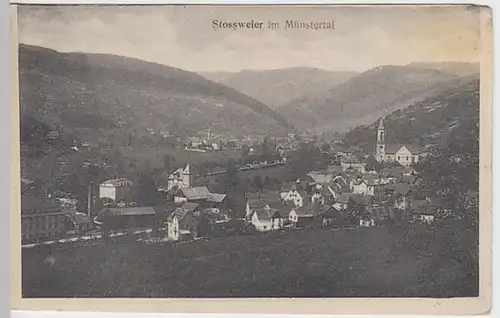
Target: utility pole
89, 199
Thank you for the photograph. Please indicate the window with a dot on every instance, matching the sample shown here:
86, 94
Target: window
399, 158
406, 157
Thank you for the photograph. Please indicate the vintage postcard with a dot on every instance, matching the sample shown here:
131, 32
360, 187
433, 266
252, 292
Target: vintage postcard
252, 159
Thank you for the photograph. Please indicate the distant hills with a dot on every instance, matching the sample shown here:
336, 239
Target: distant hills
455, 68
372, 94
106, 93
426, 122
280, 86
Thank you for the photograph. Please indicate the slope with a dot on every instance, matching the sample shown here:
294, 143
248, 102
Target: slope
365, 97
455, 68
428, 121
279, 86
96, 91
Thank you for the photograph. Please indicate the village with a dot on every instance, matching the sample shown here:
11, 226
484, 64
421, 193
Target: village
349, 192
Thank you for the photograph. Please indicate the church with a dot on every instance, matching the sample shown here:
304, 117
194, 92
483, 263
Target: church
405, 155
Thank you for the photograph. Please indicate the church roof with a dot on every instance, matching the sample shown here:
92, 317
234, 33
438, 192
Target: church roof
392, 149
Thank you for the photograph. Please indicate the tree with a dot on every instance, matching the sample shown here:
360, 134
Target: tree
257, 182
372, 164
268, 182
325, 147
451, 170
306, 158
146, 193
231, 176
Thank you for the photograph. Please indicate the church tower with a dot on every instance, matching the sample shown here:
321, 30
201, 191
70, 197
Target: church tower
380, 152
187, 177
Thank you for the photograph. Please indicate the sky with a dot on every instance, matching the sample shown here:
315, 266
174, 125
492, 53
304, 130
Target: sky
182, 36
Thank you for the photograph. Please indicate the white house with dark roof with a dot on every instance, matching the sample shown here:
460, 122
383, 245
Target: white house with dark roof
254, 204
267, 219
182, 222
119, 189
369, 185
294, 192
405, 155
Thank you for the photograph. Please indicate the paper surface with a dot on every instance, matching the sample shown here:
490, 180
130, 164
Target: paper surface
151, 93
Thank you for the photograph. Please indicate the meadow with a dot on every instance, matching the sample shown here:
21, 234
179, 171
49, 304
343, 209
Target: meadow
368, 262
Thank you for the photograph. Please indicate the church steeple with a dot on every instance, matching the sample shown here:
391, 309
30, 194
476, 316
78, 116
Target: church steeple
381, 124
380, 151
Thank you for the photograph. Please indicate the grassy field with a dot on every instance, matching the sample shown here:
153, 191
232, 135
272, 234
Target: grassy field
373, 262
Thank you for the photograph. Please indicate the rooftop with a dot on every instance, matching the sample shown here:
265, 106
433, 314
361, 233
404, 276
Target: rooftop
118, 182
126, 211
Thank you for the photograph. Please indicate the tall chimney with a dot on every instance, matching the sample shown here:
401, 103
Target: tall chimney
89, 199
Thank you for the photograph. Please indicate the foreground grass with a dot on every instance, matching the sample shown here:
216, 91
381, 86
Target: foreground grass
370, 262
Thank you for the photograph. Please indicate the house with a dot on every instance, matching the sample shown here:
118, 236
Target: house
330, 216
405, 155
267, 219
127, 218
306, 215
345, 198
180, 178
402, 196
254, 204
392, 173
369, 185
374, 215
42, 219
182, 224
294, 192
200, 195
423, 211
320, 177
352, 205
116, 190
82, 222
353, 164
194, 142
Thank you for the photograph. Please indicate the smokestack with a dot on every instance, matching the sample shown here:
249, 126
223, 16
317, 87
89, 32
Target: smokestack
89, 199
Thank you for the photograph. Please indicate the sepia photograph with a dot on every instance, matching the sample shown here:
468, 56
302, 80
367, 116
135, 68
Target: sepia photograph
253, 152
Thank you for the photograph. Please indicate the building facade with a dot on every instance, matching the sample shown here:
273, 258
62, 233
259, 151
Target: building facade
117, 190
42, 219
405, 155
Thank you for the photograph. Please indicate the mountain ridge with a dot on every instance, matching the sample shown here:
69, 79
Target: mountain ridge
365, 97
275, 87
115, 88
